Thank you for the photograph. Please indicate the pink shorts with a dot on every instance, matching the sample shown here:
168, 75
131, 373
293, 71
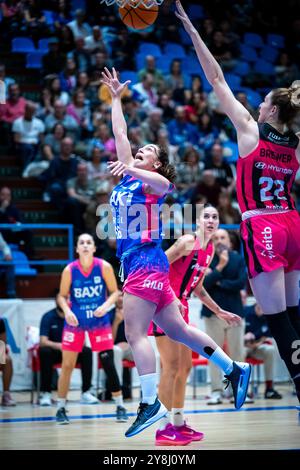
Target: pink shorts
148, 276
73, 339
154, 329
271, 242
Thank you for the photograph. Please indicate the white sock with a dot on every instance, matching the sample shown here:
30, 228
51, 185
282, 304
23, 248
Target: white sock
61, 402
178, 416
164, 421
220, 358
148, 385
119, 400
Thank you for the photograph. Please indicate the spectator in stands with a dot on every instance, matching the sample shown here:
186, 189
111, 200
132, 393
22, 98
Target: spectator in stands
150, 67
220, 168
79, 28
181, 132
60, 116
189, 171
51, 331
227, 213
80, 191
12, 15
131, 112
60, 170
91, 215
54, 60
167, 106
54, 86
68, 75
196, 108
35, 24
145, 93
207, 131
10, 111
286, 70
7, 270
103, 134
6, 367
176, 82
7, 80
66, 40
224, 280
52, 142
80, 111
28, 134
222, 51
208, 188
163, 141
10, 214
99, 61
243, 98
97, 166
81, 56
83, 84
152, 125
95, 41
259, 345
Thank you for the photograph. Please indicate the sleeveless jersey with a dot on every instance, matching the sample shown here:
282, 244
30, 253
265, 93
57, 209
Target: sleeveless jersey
136, 215
187, 272
265, 177
88, 291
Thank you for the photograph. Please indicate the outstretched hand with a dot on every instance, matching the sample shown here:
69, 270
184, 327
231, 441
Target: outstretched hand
110, 79
181, 14
231, 318
117, 168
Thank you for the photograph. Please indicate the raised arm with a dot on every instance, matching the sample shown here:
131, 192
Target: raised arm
245, 125
182, 247
118, 121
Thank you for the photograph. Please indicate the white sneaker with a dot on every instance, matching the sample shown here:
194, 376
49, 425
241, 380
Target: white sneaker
45, 399
215, 399
88, 399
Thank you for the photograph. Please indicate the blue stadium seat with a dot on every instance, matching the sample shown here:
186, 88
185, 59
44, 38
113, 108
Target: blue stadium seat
269, 53
241, 68
195, 12
49, 19
21, 44
129, 75
22, 267
184, 37
149, 48
248, 53
163, 64
253, 97
174, 50
263, 67
234, 81
253, 40
231, 151
43, 45
191, 65
34, 60
276, 40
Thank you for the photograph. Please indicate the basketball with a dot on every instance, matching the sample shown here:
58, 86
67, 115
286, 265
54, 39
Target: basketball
139, 17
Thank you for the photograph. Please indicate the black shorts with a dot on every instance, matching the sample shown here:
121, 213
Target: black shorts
2, 326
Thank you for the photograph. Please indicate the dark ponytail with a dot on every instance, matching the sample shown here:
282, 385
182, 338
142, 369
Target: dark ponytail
166, 169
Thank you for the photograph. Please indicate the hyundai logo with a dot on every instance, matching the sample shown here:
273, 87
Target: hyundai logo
260, 165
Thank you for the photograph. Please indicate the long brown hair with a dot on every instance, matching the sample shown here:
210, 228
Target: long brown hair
166, 169
288, 102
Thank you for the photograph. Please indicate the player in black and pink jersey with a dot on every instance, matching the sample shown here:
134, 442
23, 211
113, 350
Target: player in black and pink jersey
269, 159
189, 258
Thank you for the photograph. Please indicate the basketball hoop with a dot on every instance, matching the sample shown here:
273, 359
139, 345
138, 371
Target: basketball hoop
133, 3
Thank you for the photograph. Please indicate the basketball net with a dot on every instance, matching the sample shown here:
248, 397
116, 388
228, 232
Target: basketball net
133, 3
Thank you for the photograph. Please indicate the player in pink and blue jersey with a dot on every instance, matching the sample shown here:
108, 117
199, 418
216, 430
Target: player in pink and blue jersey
269, 158
148, 296
88, 289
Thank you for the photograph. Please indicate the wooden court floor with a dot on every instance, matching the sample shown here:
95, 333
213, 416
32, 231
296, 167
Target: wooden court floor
266, 424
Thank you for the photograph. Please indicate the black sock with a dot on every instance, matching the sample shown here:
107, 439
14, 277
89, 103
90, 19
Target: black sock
294, 316
286, 338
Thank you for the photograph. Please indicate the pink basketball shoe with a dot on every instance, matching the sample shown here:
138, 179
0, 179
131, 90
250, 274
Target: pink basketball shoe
171, 437
187, 431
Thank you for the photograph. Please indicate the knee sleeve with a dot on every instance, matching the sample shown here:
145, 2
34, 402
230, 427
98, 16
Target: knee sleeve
107, 360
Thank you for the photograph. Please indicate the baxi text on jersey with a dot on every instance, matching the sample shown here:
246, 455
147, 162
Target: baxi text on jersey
90, 292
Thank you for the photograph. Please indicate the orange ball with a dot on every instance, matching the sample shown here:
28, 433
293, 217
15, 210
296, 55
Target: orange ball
139, 17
